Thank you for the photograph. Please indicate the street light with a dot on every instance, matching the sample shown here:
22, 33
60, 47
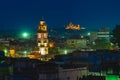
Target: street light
65, 51
88, 33
25, 34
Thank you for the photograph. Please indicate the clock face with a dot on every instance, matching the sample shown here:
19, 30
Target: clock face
43, 28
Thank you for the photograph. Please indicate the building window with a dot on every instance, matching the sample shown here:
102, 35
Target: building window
39, 35
38, 44
45, 36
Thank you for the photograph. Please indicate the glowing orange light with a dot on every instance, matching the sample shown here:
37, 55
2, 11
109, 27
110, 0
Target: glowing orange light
51, 44
73, 27
12, 52
31, 56
34, 55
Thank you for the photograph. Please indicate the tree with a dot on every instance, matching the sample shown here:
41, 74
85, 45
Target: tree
53, 50
102, 44
116, 35
2, 47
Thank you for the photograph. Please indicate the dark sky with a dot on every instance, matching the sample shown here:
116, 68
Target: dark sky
18, 14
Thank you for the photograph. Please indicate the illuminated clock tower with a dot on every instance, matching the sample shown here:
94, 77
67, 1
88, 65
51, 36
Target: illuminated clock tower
42, 38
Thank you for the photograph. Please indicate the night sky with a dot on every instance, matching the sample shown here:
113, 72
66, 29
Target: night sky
19, 14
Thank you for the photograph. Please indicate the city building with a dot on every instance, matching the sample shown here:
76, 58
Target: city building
5, 43
74, 27
42, 38
76, 43
72, 72
6, 69
72, 44
93, 36
102, 33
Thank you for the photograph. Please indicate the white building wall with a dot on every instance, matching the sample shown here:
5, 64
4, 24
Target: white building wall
72, 74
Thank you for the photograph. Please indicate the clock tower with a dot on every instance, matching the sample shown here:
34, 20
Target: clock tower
42, 38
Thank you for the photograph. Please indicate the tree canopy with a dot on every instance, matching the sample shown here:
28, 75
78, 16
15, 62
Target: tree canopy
116, 35
102, 44
2, 47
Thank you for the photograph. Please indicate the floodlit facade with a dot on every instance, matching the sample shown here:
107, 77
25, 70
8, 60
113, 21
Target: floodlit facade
42, 38
74, 27
103, 33
72, 74
76, 43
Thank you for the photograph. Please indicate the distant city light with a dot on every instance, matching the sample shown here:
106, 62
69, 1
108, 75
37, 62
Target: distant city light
25, 52
88, 33
82, 36
12, 52
25, 34
65, 52
5, 51
42, 50
51, 44
73, 27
